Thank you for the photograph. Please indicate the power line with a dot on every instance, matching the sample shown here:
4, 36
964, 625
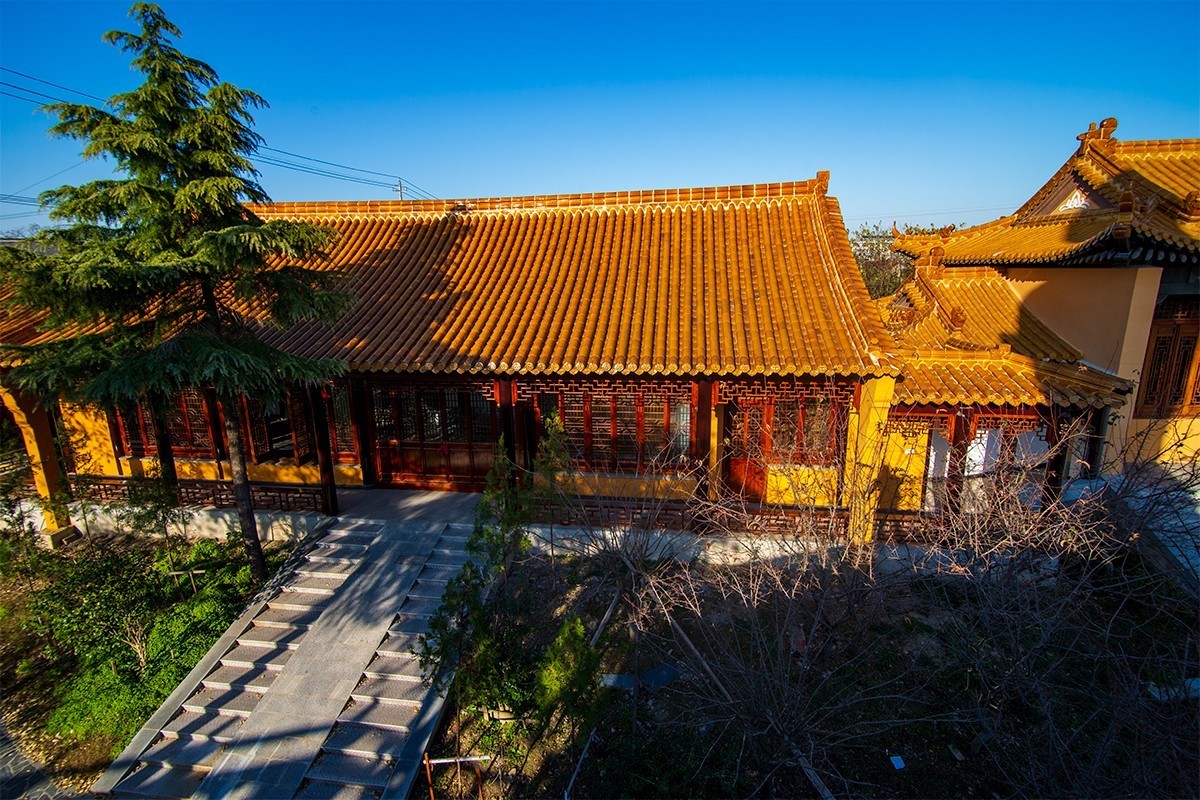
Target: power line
330, 163
18, 200
31, 91
276, 162
55, 85
19, 97
55, 175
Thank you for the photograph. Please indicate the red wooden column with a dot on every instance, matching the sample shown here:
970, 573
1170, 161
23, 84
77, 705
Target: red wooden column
701, 445
360, 418
320, 426
1097, 438
1060, 451
962, 431
505, 389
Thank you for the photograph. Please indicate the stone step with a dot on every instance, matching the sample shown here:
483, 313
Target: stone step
399, 644
260, 636
405, 623
184, 753
324, 790
395, 667
362, 539
337, 552
255, 678
420, 606
235, 702
435, 572
364, 740
317, 558
329, 569
394, 716
300, 601
427, 588
351, 525
313, 584
154, 780
213, 727
358, 770
451, 540
245, 655
281, 616
386, 690
445, 556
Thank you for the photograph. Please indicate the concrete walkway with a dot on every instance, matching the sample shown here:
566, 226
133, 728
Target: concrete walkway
315, 691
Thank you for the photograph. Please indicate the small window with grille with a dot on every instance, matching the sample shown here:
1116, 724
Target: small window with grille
1170, 379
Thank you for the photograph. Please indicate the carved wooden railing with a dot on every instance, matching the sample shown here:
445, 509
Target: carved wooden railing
271, 496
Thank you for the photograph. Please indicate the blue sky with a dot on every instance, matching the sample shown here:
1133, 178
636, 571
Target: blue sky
941, 112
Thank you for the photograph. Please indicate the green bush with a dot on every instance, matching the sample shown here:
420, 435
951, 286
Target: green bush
567, 676
99, 606
92, 595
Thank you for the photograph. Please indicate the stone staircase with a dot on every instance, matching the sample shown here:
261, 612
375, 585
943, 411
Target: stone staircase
213, 744
373, 734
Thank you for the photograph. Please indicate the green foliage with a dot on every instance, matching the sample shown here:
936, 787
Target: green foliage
502, 516
568, 674
166, 257
98, 606
112, 695
464, 625
883, 269
163, 275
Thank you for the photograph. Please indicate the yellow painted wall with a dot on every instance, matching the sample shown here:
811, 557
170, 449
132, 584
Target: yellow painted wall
1105, 313
91, 439
33, 421
807, 486
1173, 441
902, 476
189, 469
866, 444
671, 487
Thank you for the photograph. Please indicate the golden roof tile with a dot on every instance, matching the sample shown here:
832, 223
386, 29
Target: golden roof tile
966, 338
735, 280
1106, 192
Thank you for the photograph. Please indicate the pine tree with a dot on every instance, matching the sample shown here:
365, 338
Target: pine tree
161, 275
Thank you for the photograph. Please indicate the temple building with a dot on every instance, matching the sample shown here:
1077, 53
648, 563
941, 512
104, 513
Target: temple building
714, 342
1107, 254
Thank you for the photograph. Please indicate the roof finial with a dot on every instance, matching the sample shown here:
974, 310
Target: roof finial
822, 182
1102, 132
1191, 206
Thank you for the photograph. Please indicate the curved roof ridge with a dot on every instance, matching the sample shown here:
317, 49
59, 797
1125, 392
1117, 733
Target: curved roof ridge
703, 195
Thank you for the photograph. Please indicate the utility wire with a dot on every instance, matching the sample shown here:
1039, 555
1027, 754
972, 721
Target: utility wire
55, 85
18, 200
19, 97
31, 91
55, 175
403, 184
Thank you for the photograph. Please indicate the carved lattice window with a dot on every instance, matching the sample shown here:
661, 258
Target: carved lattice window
1170, 384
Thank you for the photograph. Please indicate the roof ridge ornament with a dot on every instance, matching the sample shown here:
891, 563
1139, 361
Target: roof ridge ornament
822, 187
1102, 132
1191, 206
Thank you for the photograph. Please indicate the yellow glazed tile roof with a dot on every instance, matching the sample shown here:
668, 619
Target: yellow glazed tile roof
969, 309
729, 280
965, 338
1003, 379
1147, 188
